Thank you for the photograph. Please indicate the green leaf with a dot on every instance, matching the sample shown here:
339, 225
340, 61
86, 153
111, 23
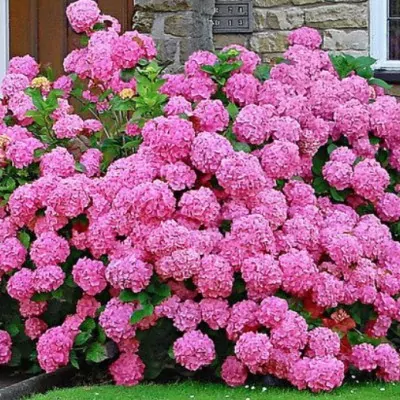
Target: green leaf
8, 185
13, 329
320, 185
84, 40
16, 357
96, 353
80, 167
332, 147
374, 140
37, 116
25, 239
128, 74
171, 353
138, 315
39, 297
364, 61
127, 296
238, 146
88, 325
263, 72
73, 359
209, 69
82, 338
233, 110
336, 195
380, 82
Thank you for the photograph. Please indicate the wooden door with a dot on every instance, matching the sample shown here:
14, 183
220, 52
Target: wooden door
40, 28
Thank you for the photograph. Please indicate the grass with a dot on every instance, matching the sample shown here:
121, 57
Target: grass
199, 391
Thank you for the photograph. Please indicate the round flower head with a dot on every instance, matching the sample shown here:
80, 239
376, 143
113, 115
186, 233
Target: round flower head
253, 349
272, 312
127, 370
29, 308
179, 176
241, 175
307, 37
291, 334
89, 275
210, 116
83, 15
34, 328
68, 127
59, 162
48, 278
200, 205
251, 124
388, 207
178, 105
280, 160
234, 372
242, 89
249, 59
25, 65
5, 347
363, 357
13, 83
193, 66
129, 273
243, 319
194, 350
215, 313
187, 316
115, 320
49, 249
262, 276
169, 138
20, 285
12, 255
323, 342
215, 277
22, 153
180, 265
87, 306
53, 349
208, 151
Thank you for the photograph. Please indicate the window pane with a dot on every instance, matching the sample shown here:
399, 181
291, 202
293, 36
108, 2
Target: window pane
394, 39
394, 8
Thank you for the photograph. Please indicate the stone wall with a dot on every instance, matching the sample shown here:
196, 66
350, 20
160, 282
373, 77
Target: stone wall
343, 24
179, 27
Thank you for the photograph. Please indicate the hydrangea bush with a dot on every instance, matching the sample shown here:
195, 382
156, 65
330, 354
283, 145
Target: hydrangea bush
236, 219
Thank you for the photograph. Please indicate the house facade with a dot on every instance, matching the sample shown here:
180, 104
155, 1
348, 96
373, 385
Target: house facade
358, 27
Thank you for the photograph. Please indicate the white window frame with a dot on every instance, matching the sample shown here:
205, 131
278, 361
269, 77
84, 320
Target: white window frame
379, 35
4, 37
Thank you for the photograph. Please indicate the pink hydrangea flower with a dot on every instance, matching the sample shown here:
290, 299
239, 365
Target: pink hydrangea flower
307, 37
5, 347
178, 105
25, 65
22, 153
323, 342
89, 275
68, 127
363, 357
49, 249
115, 320
29, 308
252, 124
234, 372
48, 278
20, 285
179, 176
13, 83
215, 278
83, 15
12, 254
35, 327
210, 116
242, 89
180, 265
87, 306
194, 350
253, 349
272, 312
57, 163
53, 349
187, 316
127, 370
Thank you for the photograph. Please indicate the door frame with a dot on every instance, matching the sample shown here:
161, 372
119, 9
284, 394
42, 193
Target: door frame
4, 37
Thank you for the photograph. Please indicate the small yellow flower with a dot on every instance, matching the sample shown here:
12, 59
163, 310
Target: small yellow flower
41, 83
126, 93
4, 140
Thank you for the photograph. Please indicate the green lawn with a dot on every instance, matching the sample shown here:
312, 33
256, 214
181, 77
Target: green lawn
199, 391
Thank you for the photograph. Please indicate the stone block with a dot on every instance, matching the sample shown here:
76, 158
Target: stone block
163, 5
143, 21
335, 39
271, 3
222, 40
180, 24
338, 16
279, 18
269, 42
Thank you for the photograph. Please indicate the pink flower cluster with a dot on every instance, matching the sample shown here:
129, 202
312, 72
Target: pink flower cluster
241, 239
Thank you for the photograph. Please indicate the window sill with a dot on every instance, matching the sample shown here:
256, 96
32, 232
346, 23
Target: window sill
388, 75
